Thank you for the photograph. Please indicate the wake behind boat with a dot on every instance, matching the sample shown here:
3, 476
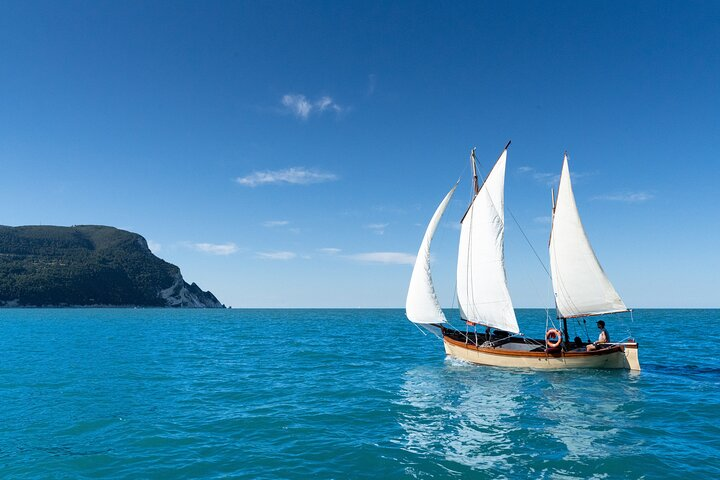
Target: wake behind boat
580, 285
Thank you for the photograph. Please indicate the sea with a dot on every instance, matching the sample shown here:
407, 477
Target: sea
342, 394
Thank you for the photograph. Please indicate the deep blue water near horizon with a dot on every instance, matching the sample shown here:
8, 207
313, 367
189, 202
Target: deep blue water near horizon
122, 393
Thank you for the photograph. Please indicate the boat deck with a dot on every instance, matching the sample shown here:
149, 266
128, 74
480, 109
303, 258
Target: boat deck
518, 344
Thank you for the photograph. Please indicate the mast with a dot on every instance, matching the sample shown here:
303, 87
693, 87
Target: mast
473, 161
566, 334
482, 290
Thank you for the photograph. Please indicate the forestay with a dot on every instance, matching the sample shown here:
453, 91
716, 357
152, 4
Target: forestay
482, 290
580, 284
422, 305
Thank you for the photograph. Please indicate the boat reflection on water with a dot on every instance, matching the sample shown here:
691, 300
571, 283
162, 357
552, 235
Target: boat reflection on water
456, 413
492, 418
587, 417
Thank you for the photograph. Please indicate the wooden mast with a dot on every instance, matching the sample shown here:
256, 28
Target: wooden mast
476, 186
566, 334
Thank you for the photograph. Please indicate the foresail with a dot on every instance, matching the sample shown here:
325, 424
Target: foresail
422, 305
482, 290
580, 284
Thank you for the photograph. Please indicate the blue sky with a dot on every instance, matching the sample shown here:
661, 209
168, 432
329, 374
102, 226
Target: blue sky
291, 153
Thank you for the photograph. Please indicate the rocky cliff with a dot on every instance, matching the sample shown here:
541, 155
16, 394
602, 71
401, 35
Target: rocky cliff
89, 265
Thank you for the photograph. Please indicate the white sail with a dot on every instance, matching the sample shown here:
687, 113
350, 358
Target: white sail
482, 290
580, 284
422, 305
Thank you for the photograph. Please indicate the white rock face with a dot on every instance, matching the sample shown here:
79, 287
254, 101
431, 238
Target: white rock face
180, 294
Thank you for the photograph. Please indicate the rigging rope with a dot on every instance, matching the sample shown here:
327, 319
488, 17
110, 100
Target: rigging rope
528, 242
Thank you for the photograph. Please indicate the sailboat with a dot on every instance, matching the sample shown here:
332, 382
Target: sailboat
580, 285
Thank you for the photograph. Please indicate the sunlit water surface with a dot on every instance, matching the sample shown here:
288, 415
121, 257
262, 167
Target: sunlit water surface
341, 394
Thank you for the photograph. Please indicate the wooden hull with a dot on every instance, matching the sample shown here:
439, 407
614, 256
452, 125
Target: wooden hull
619, 356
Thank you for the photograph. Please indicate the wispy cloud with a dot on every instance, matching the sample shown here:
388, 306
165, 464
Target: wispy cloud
154, 247
547, 178
301, 107
452, 224
275, 223
629, 197
276, 255
287, 176
372, 83
543, 220
540, 177
377, 228
396, 258
215, 248
390, 258
391, 209
329, 250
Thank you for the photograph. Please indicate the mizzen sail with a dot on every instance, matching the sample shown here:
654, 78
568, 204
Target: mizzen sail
482, 290
580, 284
422, 305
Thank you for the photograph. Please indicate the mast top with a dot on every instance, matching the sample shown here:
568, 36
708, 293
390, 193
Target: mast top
476, 186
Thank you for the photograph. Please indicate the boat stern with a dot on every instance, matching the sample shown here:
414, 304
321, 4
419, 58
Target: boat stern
632, 360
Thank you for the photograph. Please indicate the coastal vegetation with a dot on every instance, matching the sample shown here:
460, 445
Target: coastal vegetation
89, 265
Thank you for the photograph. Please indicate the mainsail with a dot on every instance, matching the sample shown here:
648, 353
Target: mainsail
482, 290
580, 284
422, 305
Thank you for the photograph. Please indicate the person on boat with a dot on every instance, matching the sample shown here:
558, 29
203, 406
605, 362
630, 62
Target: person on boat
604, 337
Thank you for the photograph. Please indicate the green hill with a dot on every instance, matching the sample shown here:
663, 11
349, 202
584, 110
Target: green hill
89, 265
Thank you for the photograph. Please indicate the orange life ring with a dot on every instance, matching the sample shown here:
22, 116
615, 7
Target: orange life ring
553, 332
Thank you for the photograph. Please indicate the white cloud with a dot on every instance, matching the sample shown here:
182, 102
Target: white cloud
301, 107
291, 176
390, 209
541, 177
396, 258
392, 258
215, 248
547, 178
276, 255
154, 247
455, 225
544, 220
630, 197
298, 105
372, 83
327, 103
377, 228
275, 223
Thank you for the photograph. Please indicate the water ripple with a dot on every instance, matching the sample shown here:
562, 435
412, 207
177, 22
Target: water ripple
337, 394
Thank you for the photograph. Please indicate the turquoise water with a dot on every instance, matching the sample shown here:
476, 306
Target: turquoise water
340, 394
